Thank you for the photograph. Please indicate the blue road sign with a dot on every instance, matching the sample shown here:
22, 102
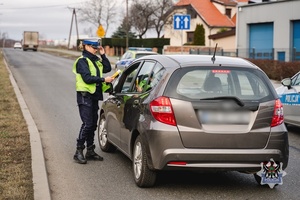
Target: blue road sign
182, 22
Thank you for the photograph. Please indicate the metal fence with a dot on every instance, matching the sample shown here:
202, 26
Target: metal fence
281, 54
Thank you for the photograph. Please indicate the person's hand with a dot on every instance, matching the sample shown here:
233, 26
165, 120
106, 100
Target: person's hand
139, 89
101, 50
108, 79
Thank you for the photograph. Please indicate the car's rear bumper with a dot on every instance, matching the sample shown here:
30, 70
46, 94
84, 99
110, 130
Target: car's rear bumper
222, 159
166, 146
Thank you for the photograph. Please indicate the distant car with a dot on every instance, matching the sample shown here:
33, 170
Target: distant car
17, 45
132, 54
289, 94
193, 112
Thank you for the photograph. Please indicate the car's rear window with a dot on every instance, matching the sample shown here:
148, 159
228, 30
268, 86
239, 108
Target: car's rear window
199, 83
142, 55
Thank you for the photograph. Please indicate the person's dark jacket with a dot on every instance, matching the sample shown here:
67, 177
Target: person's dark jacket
82, 68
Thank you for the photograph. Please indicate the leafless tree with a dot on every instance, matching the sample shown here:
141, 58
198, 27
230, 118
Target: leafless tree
161, 7
141, 12
98, 12
3, 35
88, 31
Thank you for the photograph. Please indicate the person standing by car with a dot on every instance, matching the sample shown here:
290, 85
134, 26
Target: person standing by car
90, 86
144, 85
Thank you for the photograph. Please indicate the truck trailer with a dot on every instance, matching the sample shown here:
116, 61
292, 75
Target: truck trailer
30, 40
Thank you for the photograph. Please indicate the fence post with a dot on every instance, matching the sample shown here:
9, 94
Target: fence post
237, 52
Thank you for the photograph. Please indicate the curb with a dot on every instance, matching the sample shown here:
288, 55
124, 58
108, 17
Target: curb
39, 173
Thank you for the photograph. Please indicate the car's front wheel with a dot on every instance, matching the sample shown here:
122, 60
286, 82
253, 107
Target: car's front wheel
104, 144
143, 176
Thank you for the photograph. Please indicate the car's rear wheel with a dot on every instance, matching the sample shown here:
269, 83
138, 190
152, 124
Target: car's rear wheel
104, 144
143, 176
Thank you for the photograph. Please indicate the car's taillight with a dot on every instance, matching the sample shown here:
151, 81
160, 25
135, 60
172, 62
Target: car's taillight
161, 109
278, 114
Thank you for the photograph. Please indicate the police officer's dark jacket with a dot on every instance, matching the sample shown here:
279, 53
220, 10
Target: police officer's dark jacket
82, 67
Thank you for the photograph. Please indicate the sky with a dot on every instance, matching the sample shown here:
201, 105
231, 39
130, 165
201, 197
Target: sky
52, 18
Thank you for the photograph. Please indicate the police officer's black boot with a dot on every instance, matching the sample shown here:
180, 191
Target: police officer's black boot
79, 157
91, 155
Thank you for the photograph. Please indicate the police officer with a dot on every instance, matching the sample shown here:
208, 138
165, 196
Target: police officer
89, 86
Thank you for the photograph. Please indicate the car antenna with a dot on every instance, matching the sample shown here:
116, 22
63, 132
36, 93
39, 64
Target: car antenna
214, 56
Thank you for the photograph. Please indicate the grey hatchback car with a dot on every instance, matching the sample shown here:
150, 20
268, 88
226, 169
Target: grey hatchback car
193, 112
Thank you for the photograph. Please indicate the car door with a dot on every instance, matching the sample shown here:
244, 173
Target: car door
290, 99
133, 103
116, 104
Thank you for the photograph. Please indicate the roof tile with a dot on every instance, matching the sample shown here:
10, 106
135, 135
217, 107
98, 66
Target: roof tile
209, 13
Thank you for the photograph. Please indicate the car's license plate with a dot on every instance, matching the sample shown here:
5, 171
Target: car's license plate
217, 117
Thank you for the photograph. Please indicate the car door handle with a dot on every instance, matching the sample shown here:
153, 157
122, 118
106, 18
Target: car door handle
136, 102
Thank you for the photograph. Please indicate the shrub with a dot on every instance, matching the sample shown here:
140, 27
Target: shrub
277, 70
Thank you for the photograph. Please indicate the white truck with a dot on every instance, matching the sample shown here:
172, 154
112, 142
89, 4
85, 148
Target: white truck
30, 40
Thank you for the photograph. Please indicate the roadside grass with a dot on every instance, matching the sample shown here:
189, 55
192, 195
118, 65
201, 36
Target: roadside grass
15, 153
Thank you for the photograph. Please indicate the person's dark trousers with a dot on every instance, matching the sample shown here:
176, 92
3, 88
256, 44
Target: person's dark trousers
88, 110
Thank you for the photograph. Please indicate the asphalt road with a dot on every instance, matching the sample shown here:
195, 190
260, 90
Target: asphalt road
48, 87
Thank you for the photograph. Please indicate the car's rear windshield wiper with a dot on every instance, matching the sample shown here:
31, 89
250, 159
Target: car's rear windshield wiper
236, 99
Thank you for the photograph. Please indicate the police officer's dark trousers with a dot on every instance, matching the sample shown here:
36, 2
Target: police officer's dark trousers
88, 110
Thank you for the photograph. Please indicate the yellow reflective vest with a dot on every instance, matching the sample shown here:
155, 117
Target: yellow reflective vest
81, 86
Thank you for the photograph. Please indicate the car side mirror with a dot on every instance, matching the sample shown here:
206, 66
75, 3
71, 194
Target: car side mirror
287, 82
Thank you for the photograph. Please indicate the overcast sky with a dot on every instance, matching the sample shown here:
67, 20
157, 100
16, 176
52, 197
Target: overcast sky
52, 19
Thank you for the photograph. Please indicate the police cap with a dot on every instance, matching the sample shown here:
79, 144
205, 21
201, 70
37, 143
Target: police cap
93, 42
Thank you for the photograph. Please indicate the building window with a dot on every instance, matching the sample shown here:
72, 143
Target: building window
190, 37
228, 12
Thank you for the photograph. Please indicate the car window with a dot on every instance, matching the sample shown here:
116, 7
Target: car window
139, 55
296, 80
158, 72
124, 56
129, 55
148, 73
144, 76
193, 83
129, 78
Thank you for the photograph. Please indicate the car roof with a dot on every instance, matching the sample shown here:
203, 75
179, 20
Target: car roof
202, 60
140, 48
143, 52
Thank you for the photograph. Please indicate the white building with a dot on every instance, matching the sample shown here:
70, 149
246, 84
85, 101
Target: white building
269, 30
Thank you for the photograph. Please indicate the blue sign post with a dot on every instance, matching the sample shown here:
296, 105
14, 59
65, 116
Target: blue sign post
182, 22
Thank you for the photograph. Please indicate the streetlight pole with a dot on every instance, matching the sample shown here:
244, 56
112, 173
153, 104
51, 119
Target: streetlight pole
127, 25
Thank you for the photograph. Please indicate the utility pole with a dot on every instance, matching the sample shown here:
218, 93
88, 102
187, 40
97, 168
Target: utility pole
3, 39
73, 16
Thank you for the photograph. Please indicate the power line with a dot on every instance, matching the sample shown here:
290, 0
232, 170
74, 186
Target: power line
46, 6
